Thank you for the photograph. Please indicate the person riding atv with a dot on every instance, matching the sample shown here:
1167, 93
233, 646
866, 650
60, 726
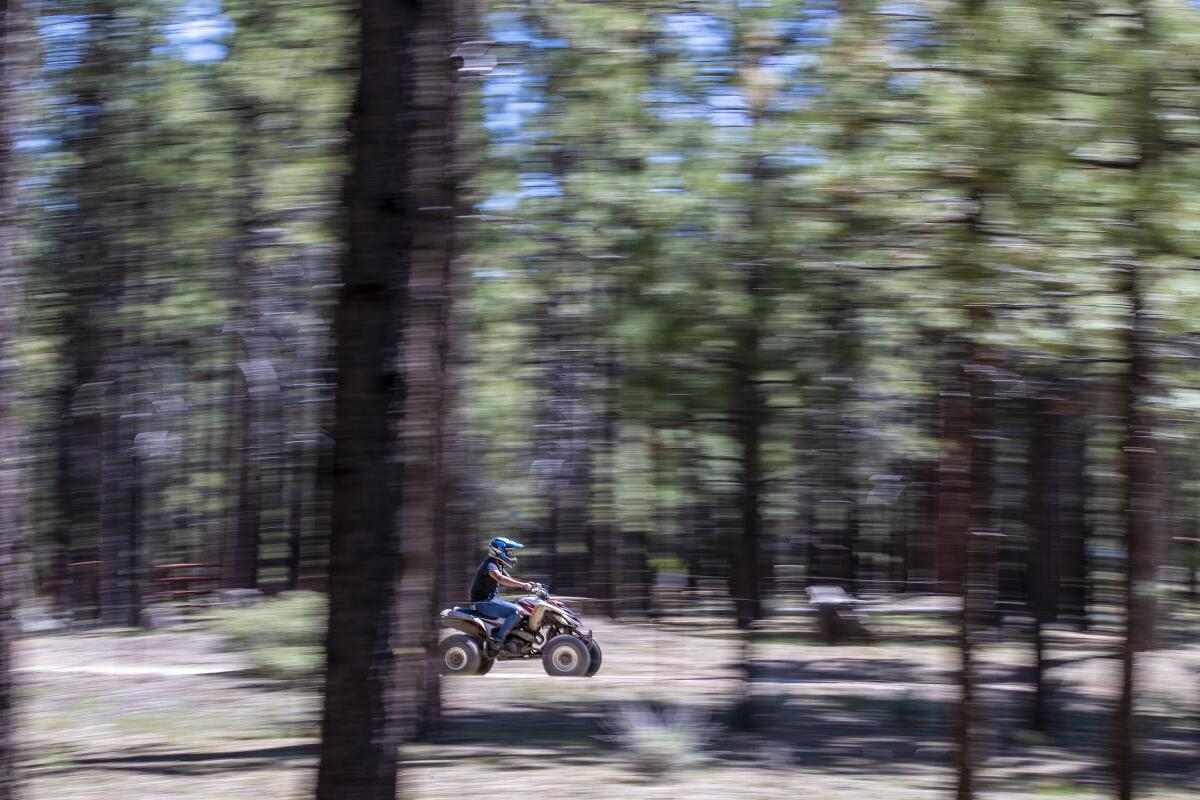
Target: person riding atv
491, 575
536, 626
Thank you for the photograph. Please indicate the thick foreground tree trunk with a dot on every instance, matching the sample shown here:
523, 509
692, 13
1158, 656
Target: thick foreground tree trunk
359, 736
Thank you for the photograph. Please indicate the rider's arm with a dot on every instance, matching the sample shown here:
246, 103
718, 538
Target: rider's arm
507, 580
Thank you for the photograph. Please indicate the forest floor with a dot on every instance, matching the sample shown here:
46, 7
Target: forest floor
175, 714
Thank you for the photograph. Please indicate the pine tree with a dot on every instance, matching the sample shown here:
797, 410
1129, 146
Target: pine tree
398, 121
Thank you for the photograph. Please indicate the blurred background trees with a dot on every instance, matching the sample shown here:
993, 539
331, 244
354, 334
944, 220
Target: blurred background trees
739, 298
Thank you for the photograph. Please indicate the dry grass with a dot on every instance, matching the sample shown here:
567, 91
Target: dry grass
834, 723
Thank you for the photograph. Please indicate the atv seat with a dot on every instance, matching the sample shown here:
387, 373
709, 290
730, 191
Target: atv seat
471, 610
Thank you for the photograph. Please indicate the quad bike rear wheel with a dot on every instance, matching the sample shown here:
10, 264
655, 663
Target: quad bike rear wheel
460, 655
566, 656
597, 658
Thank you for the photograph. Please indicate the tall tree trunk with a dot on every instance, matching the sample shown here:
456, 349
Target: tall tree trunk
1140, 503
919, 520
102, 280
1043, 530
91, 277
12, 33
953, 486
1014, 418
297, 500
1070, 478
425, 350
255, 406
1057, 566
977, 575
359, 736
241, 554
135, 561
1139, 509
749, 414
63, 532
956, 503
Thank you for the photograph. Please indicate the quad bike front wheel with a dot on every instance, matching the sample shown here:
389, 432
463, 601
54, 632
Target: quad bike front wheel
485, 665
596, 656
460, 655
566, 656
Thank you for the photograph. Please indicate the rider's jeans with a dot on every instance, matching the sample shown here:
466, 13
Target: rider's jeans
500, 608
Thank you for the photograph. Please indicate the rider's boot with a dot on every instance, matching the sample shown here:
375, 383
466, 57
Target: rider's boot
496, 641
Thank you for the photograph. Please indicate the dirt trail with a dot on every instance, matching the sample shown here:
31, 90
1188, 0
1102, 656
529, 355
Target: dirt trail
174, 715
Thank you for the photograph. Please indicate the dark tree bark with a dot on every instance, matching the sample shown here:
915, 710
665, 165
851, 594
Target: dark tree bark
977, 573
64, 537
1140, 504
962, 516
106, 263
425, 353
12, 33
257, 409
1043, 529
359, 735
1056, 563
919, 521
92, 278
1070, 478
1139, 510
953, 485
78, 442
1013, 422
700, 530
749, 415
135, 561
898, 536
298, 501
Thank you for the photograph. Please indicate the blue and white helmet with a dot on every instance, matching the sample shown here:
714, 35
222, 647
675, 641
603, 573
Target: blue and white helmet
504, 550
